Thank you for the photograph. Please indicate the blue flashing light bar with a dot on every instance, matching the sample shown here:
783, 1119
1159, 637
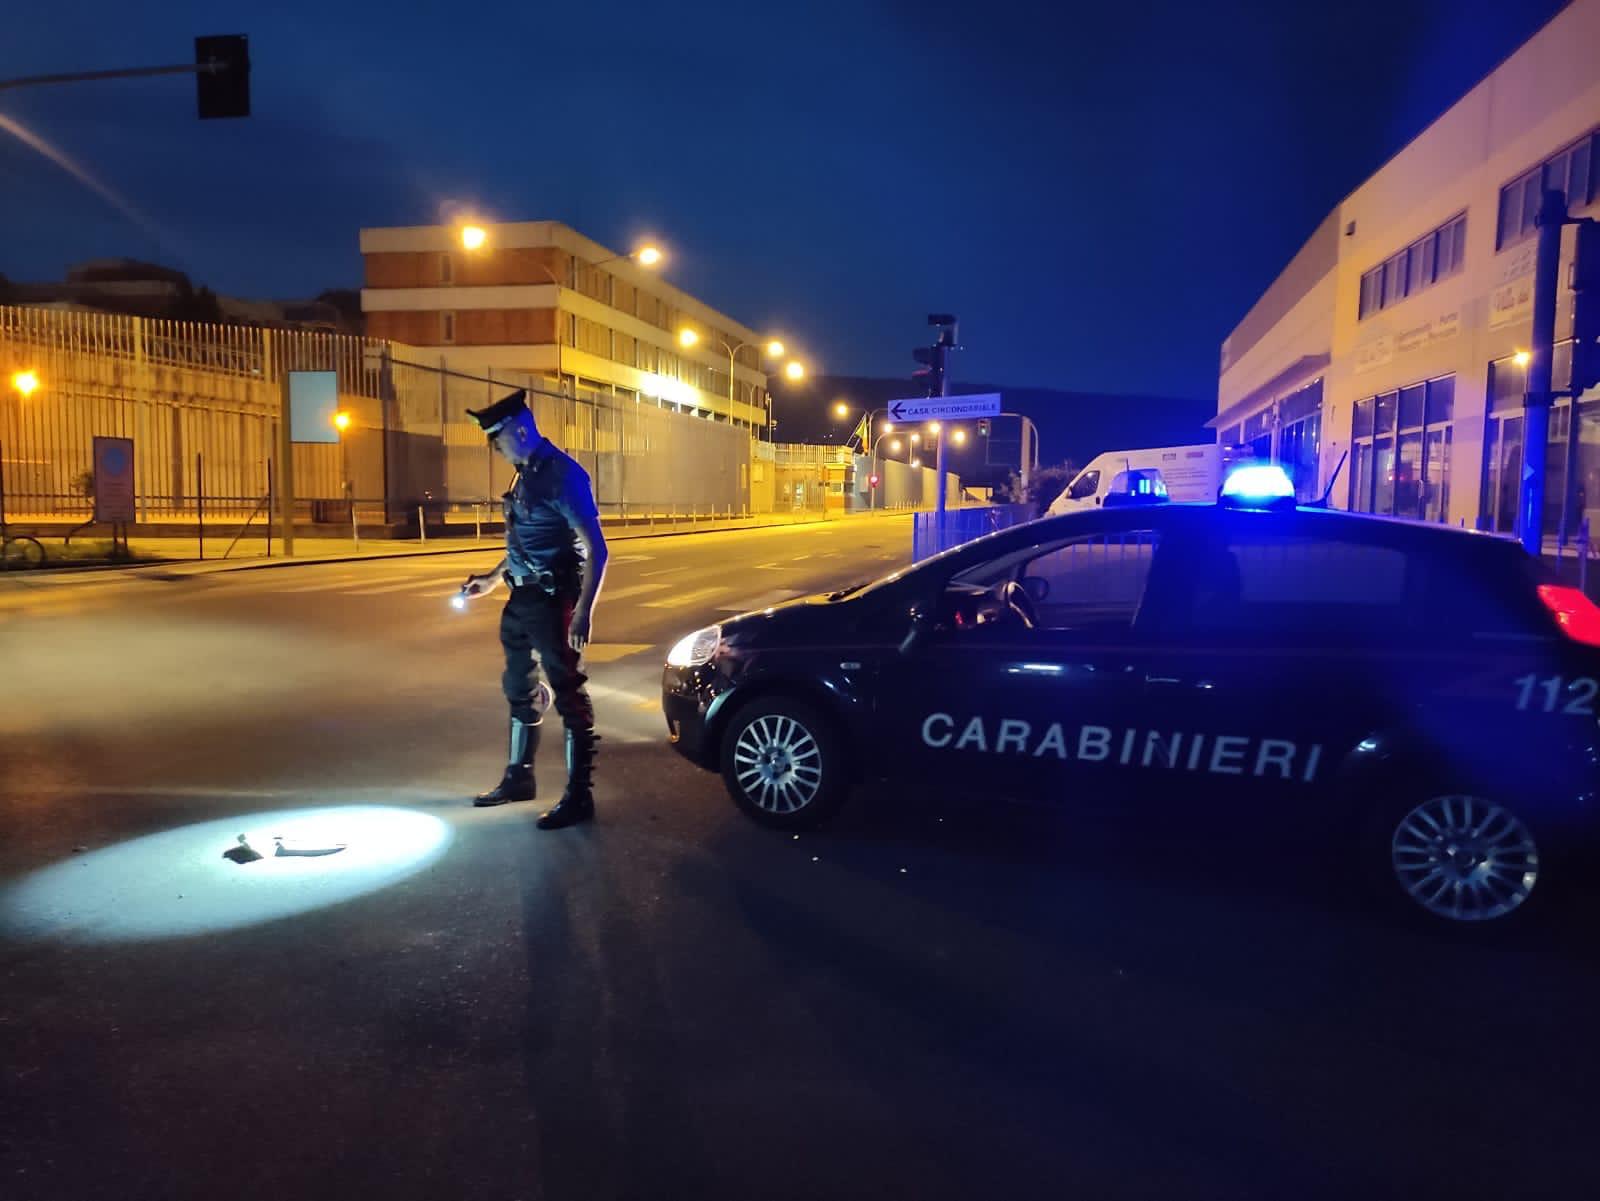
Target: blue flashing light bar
1258, 485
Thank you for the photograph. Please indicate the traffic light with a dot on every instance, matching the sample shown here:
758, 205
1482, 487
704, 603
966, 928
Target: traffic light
983, 427
935, 358
931, 373
223, 75
1586, 308
872, 480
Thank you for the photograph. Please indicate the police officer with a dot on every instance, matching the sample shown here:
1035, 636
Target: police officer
555, 559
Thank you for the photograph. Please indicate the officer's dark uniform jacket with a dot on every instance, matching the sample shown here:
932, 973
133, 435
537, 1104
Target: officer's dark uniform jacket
547, 502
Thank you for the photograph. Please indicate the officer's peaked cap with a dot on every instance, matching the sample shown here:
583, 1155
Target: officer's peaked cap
501, 411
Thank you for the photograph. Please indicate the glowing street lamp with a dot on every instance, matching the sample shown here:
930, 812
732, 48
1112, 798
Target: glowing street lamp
794, 370
25, 382
775, 349
934, 427
894, 446
648, 256
473, 237
841, 409
959, 437
341, 421
687, 338
1522, 358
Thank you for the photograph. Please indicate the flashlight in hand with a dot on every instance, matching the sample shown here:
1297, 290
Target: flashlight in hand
458, 601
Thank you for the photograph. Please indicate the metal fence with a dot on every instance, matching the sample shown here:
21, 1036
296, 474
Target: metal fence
202, 402
205, 399
930, 534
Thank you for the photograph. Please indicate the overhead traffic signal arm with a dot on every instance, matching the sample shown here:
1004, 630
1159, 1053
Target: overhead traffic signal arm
221, 66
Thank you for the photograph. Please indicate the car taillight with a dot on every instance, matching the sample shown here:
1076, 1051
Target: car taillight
1575, 613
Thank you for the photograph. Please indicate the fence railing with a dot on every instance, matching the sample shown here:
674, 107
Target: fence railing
935, 532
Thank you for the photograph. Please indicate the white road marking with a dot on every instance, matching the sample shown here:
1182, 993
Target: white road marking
327, 585
761, 602
423, 587
684, 598
661, 571
631, 558
607, 595
610, 652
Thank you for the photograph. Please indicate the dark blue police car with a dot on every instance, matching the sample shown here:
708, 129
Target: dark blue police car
1429, 692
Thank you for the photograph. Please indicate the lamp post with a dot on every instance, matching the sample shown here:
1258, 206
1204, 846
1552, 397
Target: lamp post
878, 441
688, 338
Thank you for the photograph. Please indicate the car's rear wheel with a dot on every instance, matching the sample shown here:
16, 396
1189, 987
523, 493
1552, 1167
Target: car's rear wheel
1461, 858
784, 763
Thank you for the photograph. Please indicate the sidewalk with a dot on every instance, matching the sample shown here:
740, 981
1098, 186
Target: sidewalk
180, 555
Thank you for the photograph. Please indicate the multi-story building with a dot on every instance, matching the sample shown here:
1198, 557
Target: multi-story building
1397, 336
539, 297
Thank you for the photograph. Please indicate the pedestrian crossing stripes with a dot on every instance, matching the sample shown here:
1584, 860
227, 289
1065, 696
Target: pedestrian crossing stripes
684, 599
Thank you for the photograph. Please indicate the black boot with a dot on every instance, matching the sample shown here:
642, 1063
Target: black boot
517, 783
577, 802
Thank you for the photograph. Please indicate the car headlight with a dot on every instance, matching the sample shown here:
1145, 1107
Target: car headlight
696, 648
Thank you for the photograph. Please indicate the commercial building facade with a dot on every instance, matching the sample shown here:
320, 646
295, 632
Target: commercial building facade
538, 297
1395, 341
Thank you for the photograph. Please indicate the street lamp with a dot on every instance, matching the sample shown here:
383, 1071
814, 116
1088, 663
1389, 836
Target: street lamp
689, 337
794, 370
473, 237
959, 437
1522, 358
341, 421
26, 382
841, 409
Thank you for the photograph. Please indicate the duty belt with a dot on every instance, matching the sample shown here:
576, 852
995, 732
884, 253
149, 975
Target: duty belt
541, 578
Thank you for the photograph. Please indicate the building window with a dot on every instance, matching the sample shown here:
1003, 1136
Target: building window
446, 269
1571, 171
1402, 445
1504, 438
447, 327
1435, 256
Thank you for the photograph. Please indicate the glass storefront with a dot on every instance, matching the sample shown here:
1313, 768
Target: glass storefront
1504, 433
1401, 442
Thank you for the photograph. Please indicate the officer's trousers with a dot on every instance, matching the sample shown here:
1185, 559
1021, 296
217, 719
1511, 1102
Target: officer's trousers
534, 630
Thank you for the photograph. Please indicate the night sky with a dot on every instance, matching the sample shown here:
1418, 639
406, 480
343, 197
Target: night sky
1099, 190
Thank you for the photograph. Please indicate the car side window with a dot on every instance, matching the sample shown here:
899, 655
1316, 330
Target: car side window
1092, 582
1270, 583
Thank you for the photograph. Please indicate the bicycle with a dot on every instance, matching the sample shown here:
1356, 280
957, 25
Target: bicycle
19, 551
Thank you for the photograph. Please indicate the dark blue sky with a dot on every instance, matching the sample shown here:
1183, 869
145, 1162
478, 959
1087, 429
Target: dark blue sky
1098, 190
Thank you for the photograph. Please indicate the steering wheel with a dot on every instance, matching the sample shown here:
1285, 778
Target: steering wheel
1016, 598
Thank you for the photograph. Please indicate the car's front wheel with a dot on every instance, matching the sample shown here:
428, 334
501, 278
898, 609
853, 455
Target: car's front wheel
784, 763
1460, 858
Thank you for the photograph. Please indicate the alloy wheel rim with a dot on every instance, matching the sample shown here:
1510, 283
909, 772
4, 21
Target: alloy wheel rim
778, 764
1465, 859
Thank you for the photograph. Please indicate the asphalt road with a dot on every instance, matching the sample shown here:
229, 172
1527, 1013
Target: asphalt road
926, 1000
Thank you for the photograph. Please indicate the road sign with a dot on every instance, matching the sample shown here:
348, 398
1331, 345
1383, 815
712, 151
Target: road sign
113, 480
945, 408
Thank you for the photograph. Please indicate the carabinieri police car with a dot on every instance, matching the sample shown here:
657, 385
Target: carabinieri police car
1430, 692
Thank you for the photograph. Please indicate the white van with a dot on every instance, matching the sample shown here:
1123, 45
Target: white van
1191, 473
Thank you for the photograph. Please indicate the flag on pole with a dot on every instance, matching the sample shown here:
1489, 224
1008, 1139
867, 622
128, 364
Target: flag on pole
863, 431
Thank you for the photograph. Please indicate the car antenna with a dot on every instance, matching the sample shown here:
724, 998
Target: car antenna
1327, 493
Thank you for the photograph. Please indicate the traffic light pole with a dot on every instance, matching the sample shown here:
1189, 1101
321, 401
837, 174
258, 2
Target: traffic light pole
938, 459
1585, 303
1536, 402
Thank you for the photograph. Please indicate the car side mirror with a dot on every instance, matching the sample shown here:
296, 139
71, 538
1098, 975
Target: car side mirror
919, 633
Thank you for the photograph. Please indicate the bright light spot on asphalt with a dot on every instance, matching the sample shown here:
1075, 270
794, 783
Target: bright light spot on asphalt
183, 882
458, 602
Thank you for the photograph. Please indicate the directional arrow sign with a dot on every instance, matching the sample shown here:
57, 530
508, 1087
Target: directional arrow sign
945, 408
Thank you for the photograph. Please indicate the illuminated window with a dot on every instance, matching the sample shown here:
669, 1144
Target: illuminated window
1401, 451
1571, 171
